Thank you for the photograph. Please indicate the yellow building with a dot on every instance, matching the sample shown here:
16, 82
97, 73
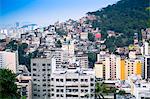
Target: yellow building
122, 69
114, 67
99, 70
130, 66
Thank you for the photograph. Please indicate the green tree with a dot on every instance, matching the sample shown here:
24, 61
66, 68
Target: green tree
58, 44
121, 92
8, 88
99, 88
12, 45
22, 55
91, 37
92, 57
102, 89
61, 32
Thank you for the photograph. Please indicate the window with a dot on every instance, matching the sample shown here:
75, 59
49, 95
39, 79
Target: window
61, 80
86, 90
68, 79
52, 94
43, 64
43, 69
92, 79
82, 90
57, 90
48, 95
52, 79
52, 89
48, 64
34, 69
92, 84
75, 80
62, 95
34, 64
35, 94
57, 80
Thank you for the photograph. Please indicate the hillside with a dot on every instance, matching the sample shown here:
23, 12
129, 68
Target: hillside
126, 16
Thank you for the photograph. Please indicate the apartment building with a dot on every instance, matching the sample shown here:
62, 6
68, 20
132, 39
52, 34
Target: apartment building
83, 60
139, 88
68, 51
24, 85
56, 53
8, 60
99, 70
111, 66
114, 67
147, 67
72, 84
41, 69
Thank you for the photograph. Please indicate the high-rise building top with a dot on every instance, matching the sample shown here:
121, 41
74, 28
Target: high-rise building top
8, 60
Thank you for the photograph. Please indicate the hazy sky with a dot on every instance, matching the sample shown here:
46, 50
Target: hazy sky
46, 12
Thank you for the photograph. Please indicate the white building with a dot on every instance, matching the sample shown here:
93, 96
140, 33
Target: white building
146, 69
73, 84
41, 69
8, 60
83, 60
68, 51
137, 87
56, 53
84, 35
145, 48
24, 85
142, 92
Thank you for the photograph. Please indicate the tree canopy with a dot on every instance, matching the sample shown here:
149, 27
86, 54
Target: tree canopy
58, 44
92, 57
91, 37
8, 88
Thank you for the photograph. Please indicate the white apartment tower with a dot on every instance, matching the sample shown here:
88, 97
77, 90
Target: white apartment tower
41, 69
72, 84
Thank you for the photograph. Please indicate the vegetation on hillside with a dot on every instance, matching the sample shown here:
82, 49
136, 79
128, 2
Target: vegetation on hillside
126, 17
91, 37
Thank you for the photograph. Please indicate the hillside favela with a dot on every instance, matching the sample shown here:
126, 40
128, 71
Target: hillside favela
74, 49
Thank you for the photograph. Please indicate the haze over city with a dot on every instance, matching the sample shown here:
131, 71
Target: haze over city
45, 12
